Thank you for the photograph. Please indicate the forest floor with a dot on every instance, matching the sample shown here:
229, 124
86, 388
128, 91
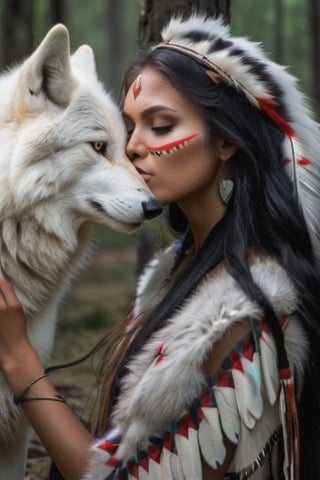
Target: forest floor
99, 298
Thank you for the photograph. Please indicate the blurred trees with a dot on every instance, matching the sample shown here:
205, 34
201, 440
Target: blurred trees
285, 29
155, 14
278, 30
57, 11
16, 30
288, 29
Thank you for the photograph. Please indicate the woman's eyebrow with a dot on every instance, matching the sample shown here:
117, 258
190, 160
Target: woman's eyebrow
150, 110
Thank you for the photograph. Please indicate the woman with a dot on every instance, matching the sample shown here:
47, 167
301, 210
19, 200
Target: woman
215, 374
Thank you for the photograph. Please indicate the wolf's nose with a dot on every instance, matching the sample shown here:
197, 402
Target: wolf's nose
151, 208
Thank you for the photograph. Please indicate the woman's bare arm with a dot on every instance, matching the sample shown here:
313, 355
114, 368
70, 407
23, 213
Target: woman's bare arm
65, 438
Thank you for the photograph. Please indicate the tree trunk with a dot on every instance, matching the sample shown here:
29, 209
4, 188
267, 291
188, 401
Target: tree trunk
314, 7
57, 11
116, 44
155, 14
16, 31
278, 30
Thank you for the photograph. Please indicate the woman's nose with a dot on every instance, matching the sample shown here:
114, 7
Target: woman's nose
136, 148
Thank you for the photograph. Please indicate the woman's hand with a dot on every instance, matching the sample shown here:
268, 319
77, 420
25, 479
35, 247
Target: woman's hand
13, 333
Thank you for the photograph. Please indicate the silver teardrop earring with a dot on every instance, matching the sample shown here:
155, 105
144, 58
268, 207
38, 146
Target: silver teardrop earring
225, 190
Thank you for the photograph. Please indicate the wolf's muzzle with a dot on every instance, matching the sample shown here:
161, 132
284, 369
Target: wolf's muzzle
151, 208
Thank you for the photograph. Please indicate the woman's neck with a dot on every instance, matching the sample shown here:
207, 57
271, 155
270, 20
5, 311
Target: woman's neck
203, 212
201, 225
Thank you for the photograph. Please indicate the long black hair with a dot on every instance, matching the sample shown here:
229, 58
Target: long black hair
263, 214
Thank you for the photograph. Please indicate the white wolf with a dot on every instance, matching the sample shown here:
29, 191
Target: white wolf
62, 167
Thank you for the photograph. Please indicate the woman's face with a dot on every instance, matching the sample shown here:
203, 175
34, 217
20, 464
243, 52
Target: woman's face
168, 141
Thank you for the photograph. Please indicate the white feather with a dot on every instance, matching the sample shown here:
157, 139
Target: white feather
270, 374
154, 470
165, 463
253, 381
211, 439
243, 398
189, 455
229, 415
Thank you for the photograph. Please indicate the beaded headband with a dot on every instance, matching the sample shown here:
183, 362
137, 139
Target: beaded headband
243, 65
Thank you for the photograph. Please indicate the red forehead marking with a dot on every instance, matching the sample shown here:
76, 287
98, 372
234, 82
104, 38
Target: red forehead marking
136, 89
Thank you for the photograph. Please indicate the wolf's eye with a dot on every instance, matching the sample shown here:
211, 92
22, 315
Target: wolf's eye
99, 147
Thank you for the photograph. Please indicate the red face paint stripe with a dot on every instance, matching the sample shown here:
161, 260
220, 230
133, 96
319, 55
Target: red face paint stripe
168, 146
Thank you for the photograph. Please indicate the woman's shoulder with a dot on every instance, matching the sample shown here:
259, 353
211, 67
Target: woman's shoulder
266, 271
218, 301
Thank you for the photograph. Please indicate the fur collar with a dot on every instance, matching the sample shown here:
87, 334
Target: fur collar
154, 394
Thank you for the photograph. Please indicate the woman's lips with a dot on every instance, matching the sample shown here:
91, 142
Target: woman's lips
145, 175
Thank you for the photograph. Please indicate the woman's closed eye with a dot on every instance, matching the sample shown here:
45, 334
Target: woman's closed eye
162, 129
157, 130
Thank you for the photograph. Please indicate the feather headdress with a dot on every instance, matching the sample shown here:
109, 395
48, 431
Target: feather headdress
269, 87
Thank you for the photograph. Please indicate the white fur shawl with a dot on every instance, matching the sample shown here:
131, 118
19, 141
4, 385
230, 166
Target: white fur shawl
153, 397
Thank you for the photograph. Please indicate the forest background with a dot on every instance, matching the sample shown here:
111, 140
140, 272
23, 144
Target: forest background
102, 293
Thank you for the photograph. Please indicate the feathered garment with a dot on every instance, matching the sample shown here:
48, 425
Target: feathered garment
171, 418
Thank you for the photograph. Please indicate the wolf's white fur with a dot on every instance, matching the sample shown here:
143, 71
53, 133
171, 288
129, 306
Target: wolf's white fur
53, 185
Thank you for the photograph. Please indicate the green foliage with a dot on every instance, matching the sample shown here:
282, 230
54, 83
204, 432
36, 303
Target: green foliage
41, 22
102, 293
257, 20
106, 238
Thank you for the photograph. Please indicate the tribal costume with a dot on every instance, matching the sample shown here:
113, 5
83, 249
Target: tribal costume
170, 417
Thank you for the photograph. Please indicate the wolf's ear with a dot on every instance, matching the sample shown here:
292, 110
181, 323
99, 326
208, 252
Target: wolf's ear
47, 72
83, 60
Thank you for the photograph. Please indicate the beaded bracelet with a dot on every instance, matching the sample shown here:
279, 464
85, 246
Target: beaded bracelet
55, 398
19, 398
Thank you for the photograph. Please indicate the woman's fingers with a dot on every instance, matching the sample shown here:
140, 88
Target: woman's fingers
13, 332
12, 318
7, 296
